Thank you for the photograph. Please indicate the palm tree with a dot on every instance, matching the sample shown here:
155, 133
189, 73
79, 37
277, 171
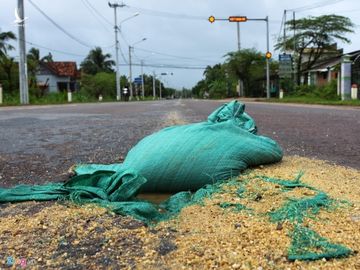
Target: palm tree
33, 60
5, 37
7, 70
96, 62
47, 58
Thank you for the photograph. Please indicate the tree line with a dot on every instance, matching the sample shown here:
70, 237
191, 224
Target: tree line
310, 39
97, 73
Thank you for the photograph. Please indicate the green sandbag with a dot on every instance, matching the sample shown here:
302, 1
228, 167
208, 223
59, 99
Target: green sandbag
178, 158
187, 157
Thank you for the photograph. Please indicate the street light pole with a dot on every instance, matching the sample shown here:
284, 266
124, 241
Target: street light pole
24, 88
154, 90
239, 48
142, 79
267, 59
130, 74
131, 47
118, 91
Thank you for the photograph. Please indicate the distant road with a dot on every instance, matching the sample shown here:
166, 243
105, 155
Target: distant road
39, 143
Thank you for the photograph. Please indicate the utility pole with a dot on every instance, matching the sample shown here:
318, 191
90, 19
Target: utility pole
160, 88
267, 59
118, 89
284, 30
238, 34
130, 74
142, 79
295, 75
154, 90
24, 88
239, 48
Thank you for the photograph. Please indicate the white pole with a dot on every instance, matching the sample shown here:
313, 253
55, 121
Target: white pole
130, 74
118, 87
24, 88
1, 94
160, 87
69, 95
142, 79
267, 60
154, 86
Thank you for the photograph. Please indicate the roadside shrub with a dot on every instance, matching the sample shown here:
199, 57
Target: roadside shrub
99, 84
328, 91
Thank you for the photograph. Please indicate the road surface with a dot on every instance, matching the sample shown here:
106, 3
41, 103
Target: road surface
39, 143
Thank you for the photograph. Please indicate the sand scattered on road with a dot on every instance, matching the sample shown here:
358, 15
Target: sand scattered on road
59, 234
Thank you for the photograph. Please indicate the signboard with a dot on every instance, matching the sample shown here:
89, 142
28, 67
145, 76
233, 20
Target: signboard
285, 65
138, 80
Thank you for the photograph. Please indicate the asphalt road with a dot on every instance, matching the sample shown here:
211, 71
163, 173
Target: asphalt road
39, 143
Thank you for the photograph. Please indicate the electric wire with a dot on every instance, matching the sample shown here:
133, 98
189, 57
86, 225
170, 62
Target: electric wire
53, 50
315, 5
95, 14
166, 14
62, 29
171, 55
99, 14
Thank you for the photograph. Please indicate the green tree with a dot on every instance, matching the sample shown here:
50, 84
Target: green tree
316, 35
101, 83
199, 89
5, 38
8, 73
249, 66
97, 61
33, 60
47, 58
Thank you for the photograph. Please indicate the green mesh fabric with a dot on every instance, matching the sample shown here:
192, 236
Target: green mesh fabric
298, 209
308, 245
236, 207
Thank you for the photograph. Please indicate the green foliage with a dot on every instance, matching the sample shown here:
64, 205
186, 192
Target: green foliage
325, 92
218, 83
249, 65
9, 74
96, 62
315, 33
5, 37
99, 84
217, 89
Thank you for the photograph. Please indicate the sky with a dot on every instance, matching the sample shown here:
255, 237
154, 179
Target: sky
177, 33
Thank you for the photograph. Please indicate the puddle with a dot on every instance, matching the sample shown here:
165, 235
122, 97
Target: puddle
155, 197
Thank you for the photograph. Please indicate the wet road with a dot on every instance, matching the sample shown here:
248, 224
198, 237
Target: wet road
40, 143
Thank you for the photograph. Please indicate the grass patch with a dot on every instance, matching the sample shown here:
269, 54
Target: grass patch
314, 100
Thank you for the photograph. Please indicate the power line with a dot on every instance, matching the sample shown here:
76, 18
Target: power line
166, 14
95, 13
167, 66
62, 29
171, 55
315, 5
59, 27
54, 50
98, 13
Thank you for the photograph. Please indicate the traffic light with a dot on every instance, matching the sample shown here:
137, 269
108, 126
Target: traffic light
211, 19
268, 55
237, 19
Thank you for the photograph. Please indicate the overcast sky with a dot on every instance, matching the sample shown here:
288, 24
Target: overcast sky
187, 34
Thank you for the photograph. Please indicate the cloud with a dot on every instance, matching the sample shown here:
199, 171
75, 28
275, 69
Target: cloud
190, 35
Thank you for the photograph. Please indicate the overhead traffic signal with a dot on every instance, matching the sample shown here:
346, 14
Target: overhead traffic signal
211, 19
238, 19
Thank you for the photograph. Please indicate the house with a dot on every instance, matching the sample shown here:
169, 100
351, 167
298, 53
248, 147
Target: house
58, 76
333, 68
